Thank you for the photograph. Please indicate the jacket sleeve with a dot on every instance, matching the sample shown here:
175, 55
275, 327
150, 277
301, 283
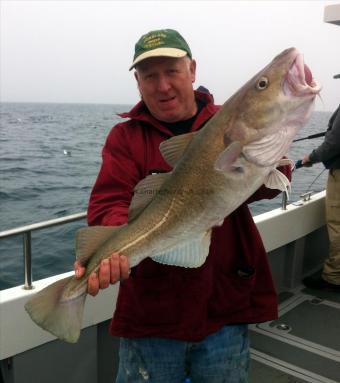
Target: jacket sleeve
330, 148
111, 195
266, 193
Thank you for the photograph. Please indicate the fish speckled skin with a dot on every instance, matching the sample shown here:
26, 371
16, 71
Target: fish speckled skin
214, 171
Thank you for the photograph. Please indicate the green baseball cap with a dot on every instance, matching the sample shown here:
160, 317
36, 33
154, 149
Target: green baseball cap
163, 42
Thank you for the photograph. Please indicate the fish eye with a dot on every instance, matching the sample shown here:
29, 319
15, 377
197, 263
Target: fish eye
262, 83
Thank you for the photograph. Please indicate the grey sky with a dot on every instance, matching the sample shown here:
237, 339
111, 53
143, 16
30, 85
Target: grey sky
80, 51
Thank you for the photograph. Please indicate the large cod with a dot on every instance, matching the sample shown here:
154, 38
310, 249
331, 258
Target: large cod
214, 171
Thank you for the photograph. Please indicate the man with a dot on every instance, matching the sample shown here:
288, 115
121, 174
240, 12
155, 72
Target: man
176, 322
329, 153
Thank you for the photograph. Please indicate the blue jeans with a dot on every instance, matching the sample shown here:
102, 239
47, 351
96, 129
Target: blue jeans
222, 357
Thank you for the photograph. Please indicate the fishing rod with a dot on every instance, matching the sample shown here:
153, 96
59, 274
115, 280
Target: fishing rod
317, 177
322, 134
298, 165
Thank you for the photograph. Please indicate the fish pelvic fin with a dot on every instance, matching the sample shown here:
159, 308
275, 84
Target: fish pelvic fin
61, 317
286, 162
172, 149
190, 254
277, 180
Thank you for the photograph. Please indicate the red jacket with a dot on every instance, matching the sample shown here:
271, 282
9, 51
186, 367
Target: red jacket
234, 285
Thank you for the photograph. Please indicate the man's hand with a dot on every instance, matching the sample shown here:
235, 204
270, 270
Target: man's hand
114, 269
306, 161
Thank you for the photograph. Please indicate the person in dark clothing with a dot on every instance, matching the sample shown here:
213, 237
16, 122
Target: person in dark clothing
173, 321
329, 153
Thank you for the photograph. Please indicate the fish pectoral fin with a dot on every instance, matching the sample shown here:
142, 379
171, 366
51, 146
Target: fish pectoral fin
188, 254
172, 149
277, 180
88, 239
228, 157
62, 318
145, 192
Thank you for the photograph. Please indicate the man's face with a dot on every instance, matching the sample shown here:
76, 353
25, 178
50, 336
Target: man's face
165, 85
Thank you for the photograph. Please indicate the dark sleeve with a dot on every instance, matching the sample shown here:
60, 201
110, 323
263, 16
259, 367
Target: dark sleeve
266, 193
330, 148
111, 195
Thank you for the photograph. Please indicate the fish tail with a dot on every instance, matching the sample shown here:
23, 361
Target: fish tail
61, 317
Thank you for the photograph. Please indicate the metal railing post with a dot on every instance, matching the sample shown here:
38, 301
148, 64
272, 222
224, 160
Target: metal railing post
284, 201
26, 232
27, 260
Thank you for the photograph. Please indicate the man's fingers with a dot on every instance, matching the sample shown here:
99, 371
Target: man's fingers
124, 267
114, 268
104, 274
111, 270
79, 269
93, 284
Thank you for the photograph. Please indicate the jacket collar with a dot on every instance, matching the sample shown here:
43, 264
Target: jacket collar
140, 113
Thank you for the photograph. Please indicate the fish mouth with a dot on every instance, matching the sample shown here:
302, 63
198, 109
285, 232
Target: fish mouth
299, 81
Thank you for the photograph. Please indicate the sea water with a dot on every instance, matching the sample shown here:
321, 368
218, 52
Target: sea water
50, 155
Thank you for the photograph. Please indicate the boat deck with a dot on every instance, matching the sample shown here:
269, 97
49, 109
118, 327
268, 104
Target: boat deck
303, 345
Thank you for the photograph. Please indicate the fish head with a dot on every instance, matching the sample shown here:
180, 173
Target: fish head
268, 111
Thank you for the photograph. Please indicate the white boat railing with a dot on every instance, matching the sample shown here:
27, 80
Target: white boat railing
26, 231
278, 228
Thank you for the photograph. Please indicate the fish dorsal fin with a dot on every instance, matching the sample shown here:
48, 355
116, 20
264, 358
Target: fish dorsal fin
228, 157
192, 253
173, 148
277, 180
145, 192
89, 239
